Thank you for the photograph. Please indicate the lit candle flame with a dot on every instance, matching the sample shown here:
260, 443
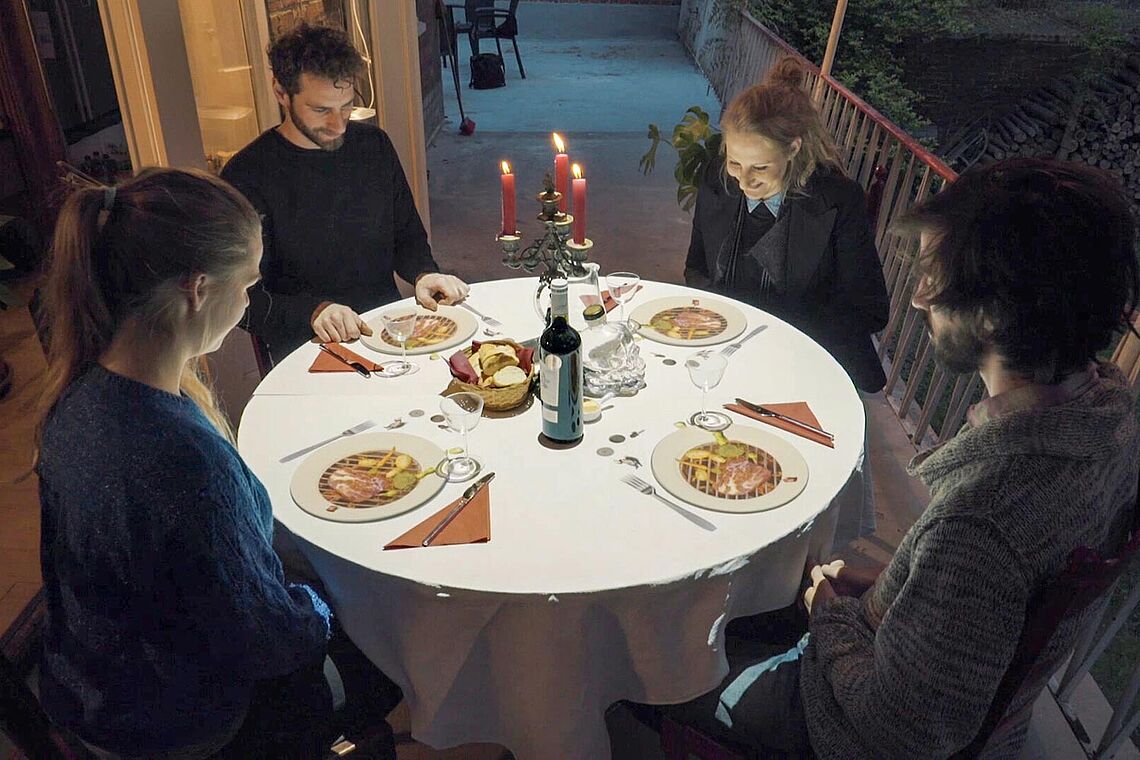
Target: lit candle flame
558, 143
577, 171
506, 167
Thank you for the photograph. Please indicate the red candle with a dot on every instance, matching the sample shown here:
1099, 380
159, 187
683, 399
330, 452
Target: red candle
508, 181
579, 206
561, 171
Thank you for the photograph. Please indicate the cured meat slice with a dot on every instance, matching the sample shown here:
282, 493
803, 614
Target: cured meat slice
356, 487
741, 476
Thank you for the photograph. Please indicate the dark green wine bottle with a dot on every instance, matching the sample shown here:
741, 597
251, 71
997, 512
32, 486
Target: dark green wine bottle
560, 387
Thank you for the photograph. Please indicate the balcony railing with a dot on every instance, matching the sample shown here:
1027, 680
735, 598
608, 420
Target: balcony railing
735, 51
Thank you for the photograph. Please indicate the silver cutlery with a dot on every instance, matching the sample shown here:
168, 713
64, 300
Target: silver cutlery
649, 490
358, 428
468, 495
732, 348
357, 366
766, 412
491, 321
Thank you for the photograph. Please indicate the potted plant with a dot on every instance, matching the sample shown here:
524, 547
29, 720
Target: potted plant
697, 143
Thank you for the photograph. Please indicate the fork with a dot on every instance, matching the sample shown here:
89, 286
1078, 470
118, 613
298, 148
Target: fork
649, 490
491, 321
358, 428
732, 348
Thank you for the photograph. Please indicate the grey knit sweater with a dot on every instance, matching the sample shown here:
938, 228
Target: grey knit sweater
910, 669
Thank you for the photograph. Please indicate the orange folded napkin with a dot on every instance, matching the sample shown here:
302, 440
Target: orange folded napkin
326, 363
471, 526
797, 410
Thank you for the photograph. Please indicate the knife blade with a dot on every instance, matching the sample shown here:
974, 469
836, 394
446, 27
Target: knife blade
356, 366
791, 420
468, 495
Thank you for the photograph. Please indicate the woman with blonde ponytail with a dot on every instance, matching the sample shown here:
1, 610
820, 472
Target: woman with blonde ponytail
779, 225
171, 630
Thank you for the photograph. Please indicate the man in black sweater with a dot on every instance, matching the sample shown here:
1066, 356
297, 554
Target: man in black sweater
337, 213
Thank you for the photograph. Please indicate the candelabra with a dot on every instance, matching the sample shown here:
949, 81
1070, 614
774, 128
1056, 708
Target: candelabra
555, 252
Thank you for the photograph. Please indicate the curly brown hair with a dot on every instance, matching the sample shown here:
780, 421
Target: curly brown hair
319, 51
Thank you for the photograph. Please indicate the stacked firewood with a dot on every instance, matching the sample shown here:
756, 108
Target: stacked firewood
1097, 122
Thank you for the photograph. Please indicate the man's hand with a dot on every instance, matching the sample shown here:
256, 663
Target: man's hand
336, 323
821, 589
441, 288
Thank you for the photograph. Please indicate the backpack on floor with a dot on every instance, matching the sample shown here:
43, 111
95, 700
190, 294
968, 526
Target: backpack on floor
487, 71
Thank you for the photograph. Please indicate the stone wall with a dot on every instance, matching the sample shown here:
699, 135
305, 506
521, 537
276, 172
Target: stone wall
961, 79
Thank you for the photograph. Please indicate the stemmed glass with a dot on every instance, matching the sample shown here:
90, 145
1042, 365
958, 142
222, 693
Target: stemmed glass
622, 286
400, 325
462, 411
706, 368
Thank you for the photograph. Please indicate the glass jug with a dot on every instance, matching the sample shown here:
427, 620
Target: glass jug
581, 291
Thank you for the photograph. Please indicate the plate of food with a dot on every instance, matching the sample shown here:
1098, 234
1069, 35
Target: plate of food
689, 321
743, 469
370, 476
434, 331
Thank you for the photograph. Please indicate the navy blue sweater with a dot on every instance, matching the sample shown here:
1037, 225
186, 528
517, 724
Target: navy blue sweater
166, 601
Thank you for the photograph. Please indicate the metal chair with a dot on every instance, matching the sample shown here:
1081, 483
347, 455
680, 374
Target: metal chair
472, 25
500, 23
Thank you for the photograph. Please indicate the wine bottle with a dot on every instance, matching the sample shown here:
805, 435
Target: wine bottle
560, 384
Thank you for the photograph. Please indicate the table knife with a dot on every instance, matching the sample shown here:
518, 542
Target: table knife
468, 495
790, 420
357, 366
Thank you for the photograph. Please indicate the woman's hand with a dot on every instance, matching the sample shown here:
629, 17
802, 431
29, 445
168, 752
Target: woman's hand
820, 589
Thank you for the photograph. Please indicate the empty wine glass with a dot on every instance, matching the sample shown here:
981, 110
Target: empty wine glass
706, 368
400, 325
622, 286
462, 411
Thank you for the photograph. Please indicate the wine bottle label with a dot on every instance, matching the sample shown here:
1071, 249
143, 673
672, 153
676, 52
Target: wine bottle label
548, 386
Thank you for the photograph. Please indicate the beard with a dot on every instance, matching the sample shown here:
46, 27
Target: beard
956, 348
324, 143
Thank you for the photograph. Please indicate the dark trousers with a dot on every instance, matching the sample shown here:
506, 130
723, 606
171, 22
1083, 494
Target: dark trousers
292, 718
758, 704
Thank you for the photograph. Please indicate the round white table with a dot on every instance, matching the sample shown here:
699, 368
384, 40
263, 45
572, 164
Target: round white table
588, 592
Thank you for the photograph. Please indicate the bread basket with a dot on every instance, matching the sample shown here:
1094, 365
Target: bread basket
496, 399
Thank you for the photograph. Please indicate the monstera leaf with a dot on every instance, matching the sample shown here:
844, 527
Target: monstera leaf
697, 144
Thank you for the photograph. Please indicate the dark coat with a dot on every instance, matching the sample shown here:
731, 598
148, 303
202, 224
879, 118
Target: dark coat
833, 288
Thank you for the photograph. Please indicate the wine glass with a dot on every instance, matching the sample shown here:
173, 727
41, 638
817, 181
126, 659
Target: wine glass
706, 368
400, 325
462, 411
622, 286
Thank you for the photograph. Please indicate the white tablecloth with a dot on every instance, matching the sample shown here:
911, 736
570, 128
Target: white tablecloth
588, 592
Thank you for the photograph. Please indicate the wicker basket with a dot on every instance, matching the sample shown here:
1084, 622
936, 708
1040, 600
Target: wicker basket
496, 399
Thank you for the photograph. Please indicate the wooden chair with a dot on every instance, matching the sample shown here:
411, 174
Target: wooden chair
25, 723
500, 23
22, 719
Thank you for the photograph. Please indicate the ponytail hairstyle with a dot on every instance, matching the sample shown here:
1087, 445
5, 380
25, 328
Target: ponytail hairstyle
781, 110
125, 252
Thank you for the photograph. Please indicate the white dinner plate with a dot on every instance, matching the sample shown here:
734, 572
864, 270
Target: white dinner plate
447, 327
789, 470
311, 492
703, 321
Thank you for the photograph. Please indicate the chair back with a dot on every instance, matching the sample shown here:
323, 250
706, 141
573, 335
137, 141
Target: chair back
481, 25
1127, 353
1085, 579
875, 195
22, 719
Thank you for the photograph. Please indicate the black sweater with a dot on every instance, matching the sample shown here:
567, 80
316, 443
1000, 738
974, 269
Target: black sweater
336, 225
821, 251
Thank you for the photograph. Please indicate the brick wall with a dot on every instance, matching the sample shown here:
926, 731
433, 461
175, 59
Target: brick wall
961, 79
286, 14
431, 80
